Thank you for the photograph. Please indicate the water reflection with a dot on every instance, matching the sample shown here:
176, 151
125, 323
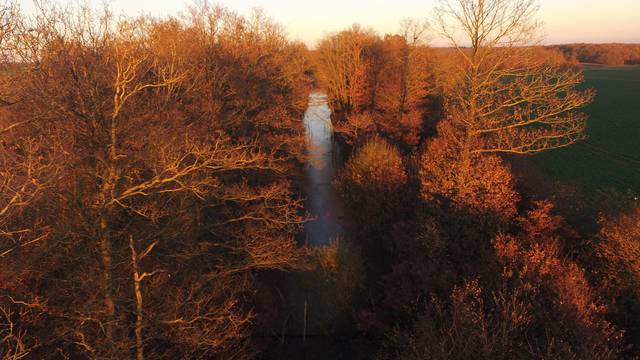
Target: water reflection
323, 202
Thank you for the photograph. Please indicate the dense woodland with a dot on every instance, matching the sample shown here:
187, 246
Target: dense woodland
152, 192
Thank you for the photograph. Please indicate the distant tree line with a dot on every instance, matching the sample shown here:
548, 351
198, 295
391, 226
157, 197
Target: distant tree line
605, 54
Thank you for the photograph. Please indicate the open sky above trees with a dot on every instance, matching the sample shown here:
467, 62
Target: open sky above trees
566, 21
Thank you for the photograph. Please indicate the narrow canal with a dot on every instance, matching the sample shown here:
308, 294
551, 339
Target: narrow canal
323, 158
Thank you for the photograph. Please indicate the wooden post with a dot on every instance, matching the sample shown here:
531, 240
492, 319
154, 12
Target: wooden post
304, 329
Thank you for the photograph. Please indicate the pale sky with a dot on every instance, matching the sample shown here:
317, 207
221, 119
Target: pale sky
565, 21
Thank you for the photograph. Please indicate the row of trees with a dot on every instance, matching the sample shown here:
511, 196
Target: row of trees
606, 54
458, 263
375, 84
142, 183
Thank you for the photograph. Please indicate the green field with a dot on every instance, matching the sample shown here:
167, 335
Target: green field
610, 158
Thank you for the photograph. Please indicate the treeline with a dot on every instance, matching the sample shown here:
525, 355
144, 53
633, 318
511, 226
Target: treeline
605, 54
376, 84
445, 256
151, 193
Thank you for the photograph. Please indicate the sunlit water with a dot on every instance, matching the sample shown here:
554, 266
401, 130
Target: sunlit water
323, 202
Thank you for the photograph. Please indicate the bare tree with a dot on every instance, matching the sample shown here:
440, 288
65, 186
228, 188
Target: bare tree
27, 159
344, 69
9, 22
376, 85
138, 277
12, 341
26, 170
404, 83
508, 101
158, 140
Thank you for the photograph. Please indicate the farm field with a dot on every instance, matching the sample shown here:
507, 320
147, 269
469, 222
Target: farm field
610, 158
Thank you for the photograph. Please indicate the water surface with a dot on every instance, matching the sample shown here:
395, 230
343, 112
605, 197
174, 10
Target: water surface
322, 201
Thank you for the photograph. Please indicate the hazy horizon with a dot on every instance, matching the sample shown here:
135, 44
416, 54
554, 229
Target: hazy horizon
567, 21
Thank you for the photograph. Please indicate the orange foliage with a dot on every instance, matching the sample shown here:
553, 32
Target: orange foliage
383, 80
606, 54
344, 68
373, 179
481, 183
620, 246
619, 271
175, 135
533, 303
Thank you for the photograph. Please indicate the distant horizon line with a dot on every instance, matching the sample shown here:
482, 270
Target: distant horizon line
555, 44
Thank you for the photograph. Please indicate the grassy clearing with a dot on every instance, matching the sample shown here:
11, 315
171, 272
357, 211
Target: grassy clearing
610, 158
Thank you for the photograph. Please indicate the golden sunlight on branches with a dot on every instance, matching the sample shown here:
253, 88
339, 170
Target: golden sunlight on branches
198, 185
508, 101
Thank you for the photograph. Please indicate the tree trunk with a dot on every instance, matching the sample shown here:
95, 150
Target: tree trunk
138, 293
105, 253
